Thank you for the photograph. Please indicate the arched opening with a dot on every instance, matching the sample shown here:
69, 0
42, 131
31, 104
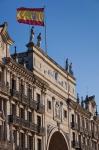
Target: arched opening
57, 142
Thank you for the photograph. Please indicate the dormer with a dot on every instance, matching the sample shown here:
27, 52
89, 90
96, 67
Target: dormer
5, 41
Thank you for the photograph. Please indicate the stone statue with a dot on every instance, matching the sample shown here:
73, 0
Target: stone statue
70, 69
78, 98
57, 110
66, 67
82, 102
31, 34
39, 40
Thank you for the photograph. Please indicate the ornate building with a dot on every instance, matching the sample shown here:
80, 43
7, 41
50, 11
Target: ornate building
39, 107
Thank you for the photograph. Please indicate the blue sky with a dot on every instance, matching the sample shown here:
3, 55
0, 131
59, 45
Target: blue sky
72, 31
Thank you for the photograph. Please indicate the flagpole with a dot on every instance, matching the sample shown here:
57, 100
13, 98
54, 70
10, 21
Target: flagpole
45, 29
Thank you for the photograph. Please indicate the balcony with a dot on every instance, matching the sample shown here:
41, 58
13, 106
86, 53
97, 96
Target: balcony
41, 131
82, 146
26, 124
4, 89
20, 148
74, 125
15, 94
5, 145
75, 144
86, 131
90, 133
87, 147
95, 135
81, 129
25, 99
40, 108
22, 122
33, 104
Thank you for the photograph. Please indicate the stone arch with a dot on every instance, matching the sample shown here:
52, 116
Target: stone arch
57, 141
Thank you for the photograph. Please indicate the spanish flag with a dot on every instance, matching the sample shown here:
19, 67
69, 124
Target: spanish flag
31, 16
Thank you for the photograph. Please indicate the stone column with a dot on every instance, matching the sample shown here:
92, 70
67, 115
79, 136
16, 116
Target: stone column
18, 137
35, 142
26, 140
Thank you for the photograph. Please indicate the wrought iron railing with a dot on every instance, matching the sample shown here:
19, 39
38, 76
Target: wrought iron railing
74, 125
15, 120
4, 88
75, 144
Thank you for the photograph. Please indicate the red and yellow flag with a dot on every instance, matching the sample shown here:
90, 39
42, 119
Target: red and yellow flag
32, 16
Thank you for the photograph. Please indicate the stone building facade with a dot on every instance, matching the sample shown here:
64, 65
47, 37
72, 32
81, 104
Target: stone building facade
39, 107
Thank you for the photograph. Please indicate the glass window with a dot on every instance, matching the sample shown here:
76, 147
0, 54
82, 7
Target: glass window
38, 98
38, 120
49, 104
22, 114
39, 144
30, 142
13, 110
30, 116
72, 117
65, 114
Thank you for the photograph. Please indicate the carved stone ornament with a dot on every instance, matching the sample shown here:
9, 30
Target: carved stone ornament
57, 110
49, 129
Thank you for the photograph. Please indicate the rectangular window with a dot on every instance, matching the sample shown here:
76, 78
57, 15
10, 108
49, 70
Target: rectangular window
30, 142
30, 116
15, 137
38, 120
13, 110
65, 114
72, 117
29, 92
38, 98
39, 144
22, 140
22, 114
73, 136
49, 104
13, 84
22, 89
83, 123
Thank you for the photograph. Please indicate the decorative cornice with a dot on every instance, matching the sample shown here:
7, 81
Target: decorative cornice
19, 69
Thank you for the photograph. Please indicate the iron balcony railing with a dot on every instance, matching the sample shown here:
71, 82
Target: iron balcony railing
6, 145
21, 148
33, 104
4, 88
15, 120
41, 130
40, 108
90, 133
95, 135
22, 122
74, 125
86, 131
75, 144
15, 94
81, 129
24, 99
21, 97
